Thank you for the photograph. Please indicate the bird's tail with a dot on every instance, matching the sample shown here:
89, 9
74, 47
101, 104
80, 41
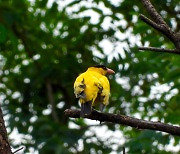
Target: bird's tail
86, 108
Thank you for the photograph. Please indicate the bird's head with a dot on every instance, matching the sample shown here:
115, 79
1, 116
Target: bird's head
101, 69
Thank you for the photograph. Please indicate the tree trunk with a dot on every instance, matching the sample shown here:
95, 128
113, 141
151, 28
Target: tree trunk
4, 144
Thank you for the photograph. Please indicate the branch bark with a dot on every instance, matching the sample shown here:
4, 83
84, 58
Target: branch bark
4, 143
153, 13
126, 120
160, 50
160, 25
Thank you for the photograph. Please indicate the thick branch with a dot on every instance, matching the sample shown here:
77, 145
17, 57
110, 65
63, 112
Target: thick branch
174, 51
126, 120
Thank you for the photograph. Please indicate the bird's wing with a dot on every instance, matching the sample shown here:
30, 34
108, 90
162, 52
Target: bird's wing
86, 87
91, 88
105, 92
79, 87
86, 90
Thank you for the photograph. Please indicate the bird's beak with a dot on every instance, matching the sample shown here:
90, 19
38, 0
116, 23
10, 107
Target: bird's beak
110, 71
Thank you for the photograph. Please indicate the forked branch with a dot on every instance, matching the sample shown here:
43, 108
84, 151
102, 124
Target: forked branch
160, 25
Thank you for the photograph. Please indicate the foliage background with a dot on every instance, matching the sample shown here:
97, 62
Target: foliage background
44, 45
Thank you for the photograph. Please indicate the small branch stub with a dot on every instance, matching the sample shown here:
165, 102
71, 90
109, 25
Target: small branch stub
126, 120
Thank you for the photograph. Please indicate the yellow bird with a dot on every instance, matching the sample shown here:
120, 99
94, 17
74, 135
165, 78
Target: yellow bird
92, 87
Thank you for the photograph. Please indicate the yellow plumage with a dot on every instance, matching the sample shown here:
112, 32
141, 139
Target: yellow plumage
92, 87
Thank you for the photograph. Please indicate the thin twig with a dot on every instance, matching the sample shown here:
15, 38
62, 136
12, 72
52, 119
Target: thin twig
124, 151
18, 150
174, 51
126, 120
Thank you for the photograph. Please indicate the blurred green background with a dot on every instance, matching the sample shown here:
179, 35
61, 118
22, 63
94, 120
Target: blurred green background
44, 45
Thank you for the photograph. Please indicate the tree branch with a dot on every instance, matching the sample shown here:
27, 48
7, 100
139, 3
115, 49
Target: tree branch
153, 13
160, 50
164, 29
159, 24
124, 150
18, 150
153, 24
126, 120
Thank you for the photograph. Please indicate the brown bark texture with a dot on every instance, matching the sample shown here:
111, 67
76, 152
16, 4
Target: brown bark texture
4, 143
126, 120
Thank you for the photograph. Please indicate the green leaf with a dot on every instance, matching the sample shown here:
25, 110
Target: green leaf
3, 33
